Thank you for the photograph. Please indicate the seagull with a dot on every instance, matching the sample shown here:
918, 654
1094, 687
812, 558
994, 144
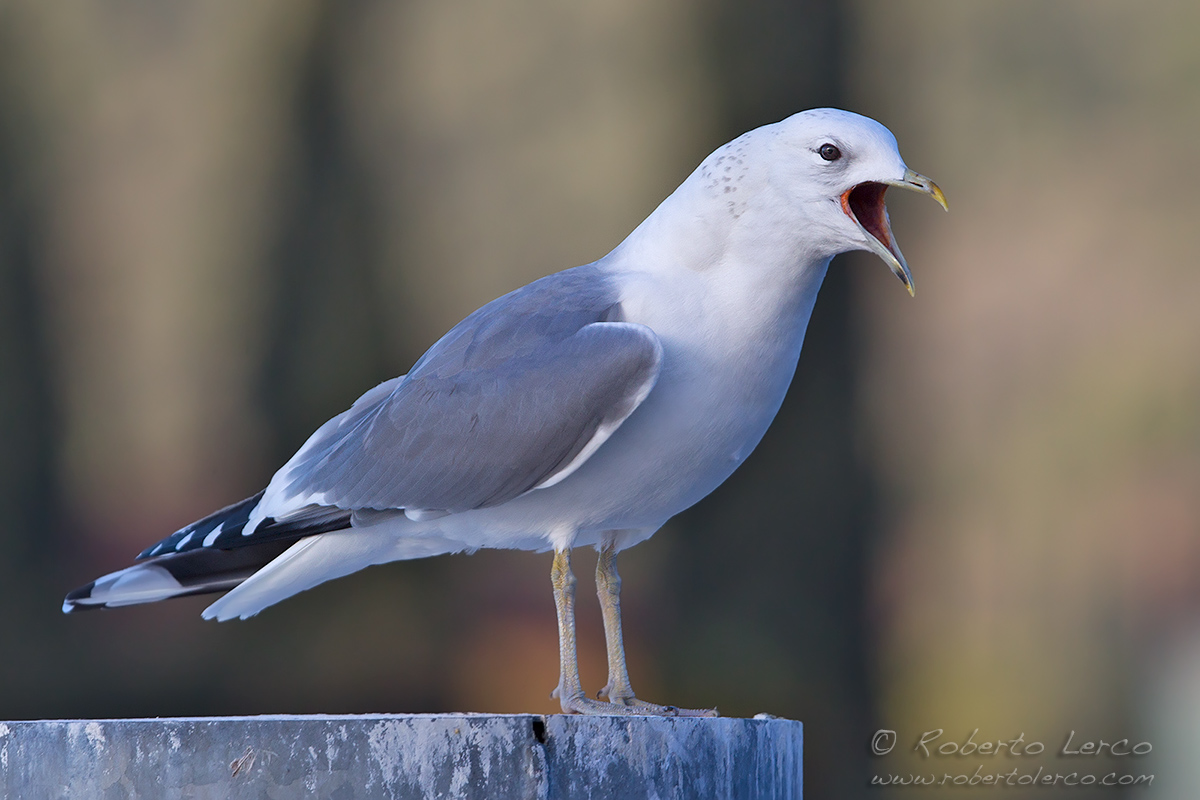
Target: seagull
582, 410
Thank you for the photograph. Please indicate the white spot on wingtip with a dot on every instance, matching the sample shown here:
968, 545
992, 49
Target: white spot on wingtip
183, 542
141, 583
212, 537
257, 515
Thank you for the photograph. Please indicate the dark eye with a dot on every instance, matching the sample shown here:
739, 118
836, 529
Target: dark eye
830, 152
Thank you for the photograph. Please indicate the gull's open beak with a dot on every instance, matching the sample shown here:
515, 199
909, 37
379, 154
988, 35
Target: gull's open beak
864, 204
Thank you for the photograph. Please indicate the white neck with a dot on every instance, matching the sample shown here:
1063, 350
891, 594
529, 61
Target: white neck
728, 245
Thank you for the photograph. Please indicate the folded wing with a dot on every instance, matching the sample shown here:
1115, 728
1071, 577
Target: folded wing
514, 398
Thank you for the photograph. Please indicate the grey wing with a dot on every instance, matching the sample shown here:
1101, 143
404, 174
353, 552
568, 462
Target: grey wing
482, 437
516, 397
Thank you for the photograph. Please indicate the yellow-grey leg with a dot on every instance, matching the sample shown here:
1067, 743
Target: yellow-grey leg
569, 692
608, 589
618, 691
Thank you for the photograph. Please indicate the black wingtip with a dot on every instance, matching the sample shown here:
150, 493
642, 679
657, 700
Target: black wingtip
71, 603
82, 593
192, 537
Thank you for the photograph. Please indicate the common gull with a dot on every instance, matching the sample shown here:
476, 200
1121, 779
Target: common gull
583, 410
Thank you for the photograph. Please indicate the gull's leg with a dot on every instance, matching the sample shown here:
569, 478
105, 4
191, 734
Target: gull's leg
608, 589
618, 691
569, 692
563, 580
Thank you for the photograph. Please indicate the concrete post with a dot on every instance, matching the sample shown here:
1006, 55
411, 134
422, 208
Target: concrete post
401, 756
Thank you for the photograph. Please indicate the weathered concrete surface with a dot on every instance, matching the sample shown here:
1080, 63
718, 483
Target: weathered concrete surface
401, 756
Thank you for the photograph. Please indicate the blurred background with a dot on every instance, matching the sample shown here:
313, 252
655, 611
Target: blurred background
221, 222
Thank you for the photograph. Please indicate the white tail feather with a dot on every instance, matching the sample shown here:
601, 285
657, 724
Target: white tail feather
317, 559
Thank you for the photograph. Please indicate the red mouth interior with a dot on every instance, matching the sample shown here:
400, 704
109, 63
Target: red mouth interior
865, 203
